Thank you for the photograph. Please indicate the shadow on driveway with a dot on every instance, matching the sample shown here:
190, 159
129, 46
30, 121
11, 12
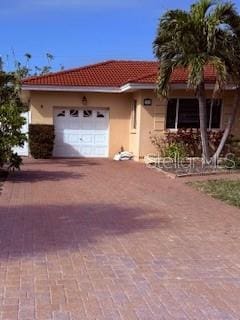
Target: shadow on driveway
31, 176
68, 162
29, 230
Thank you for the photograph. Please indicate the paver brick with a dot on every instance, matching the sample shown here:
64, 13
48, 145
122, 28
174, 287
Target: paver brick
97, 239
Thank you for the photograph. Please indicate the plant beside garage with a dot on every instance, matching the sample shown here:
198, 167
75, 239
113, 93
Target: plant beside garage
41, 140
11, 120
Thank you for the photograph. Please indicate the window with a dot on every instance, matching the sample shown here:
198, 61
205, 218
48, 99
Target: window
100, 114
171, 114
214, 108
134, 115
184, 113
87, 113
61, 113
74, 113
188, 114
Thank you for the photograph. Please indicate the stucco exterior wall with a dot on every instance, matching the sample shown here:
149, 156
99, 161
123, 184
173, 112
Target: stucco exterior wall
119, 105
151, 120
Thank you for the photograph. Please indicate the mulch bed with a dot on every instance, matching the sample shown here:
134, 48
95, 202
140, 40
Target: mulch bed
195, 168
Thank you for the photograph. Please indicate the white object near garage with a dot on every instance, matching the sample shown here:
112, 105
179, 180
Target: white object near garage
81, 132
24, 151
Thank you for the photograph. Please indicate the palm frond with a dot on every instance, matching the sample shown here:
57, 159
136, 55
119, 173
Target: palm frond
201, 8
208, 34
165, 72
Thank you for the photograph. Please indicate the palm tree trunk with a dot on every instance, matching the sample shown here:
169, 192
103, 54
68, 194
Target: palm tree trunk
203, 122
229, 126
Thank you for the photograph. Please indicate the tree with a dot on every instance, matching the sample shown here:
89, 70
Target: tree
24, 70
12, 107
11, 120
45, 69
207, 34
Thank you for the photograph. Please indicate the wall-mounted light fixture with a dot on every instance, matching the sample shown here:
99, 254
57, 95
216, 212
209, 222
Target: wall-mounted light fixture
84, 101
147, 102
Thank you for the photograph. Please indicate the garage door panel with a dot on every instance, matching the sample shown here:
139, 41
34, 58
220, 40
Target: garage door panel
66, 149
100, 152
74, 139
87, 138
100, 126
87, 125
86, 151
59, 137
100, 139
81, 133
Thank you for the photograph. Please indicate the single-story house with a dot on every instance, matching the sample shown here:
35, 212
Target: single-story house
99, 109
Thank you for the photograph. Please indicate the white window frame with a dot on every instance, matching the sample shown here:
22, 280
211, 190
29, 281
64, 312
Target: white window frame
177, 113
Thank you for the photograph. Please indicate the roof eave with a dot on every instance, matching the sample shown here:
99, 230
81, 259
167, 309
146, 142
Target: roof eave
59, 88
128, 87
125, 88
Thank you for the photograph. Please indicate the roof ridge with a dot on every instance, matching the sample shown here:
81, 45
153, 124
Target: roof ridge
87, 67
135, 60
69, 70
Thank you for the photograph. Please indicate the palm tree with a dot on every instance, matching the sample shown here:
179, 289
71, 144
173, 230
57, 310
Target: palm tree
207, 34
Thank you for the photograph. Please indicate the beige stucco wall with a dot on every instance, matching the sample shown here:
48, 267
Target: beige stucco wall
153, 118
150, 119
119, 105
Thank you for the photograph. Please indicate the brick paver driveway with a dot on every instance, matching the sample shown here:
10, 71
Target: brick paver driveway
97, 239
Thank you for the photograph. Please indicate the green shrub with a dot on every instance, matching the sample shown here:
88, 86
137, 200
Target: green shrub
234, 147
175, 151
231, 162
41, 140
190, 139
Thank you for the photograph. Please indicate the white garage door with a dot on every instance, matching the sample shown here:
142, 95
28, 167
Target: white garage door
23, 151
81, 132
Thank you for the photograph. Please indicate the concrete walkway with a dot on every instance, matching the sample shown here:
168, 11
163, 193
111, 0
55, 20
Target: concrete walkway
97, 239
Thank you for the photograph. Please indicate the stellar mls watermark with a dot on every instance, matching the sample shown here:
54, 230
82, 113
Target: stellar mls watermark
228, 162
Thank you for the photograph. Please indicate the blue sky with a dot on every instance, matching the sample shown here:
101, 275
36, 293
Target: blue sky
79, 32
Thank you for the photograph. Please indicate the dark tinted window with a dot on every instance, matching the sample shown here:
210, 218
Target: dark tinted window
188, 114
171, 113
216, 106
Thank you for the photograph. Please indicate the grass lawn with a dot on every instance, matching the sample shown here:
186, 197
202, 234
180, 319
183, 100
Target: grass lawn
226, 190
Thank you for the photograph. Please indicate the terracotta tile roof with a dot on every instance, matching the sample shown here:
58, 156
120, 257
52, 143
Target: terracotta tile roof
112, 73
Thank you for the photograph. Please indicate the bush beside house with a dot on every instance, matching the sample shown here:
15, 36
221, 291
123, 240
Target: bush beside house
41, 140
188, 142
